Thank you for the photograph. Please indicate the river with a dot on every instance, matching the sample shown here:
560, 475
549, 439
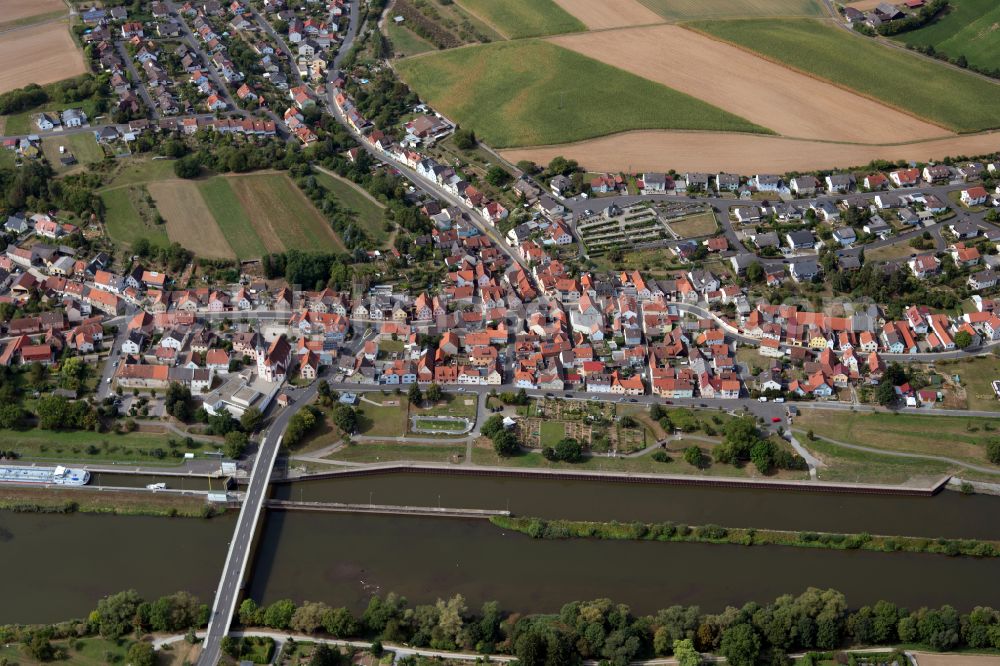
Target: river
59, 565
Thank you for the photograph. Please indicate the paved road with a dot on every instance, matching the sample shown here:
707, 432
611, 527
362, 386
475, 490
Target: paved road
238, 556
110, 365
139, 82
352, 33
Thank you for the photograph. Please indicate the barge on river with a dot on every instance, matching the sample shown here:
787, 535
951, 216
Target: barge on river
42, 476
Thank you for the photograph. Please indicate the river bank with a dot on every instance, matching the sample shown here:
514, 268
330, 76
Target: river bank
537, 528
26, 499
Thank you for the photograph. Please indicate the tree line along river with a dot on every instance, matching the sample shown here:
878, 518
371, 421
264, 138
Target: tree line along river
64, 563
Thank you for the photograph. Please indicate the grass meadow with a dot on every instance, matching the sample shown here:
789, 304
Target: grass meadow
530, 92
518, 19
714, 9
953, 99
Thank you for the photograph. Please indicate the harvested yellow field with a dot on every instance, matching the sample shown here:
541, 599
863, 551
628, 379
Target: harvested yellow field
937, 659
766, 93
742, 153
14, 10
600, 14
864, 5
42, 54
189, 222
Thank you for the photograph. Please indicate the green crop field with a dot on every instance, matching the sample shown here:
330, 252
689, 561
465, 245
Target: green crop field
231, 218
530, 92
969, 28
951, 98
705, 9
524, 18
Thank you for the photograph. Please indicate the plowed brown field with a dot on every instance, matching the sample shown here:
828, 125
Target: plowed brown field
788, 102
42, 54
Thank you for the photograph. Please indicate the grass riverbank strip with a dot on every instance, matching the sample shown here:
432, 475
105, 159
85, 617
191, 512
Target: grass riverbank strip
537, 528
56, 500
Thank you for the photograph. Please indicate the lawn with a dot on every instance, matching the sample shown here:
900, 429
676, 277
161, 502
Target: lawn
702, 224
899, 79
976, 376
552, 432
968, 28
958, 437
863, 467
518, 19
369, 453
404, 41
123, 221
892, 252
534, 93
452, 404
369, 212
82, 146
73, 446
382, 420
231, 218
93, 651
714, 9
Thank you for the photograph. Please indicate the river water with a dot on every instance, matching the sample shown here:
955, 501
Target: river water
57, 566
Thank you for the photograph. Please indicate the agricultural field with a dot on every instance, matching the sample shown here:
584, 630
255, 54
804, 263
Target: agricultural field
716, 9
561, 96
41, 54
276, 207
897, 78
216, 217
188, 220
600, 15
969, 28
730, 78
516, 19
404, 41
232, 220
19, 10
369, 215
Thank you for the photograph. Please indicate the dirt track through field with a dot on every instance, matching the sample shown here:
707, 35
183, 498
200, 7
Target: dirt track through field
601, 14
14, 10
189, 222
742, 153
765, 93
42, 54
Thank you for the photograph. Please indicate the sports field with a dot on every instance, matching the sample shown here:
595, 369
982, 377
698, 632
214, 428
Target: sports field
970, 28
951, 98
39, 54
732, 79
704, 9
600, 14
516, 19
189, 221
532, 92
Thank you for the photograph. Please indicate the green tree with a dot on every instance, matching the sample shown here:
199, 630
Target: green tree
885, 393
762, 455
693, 456
187, 167
755, 272
568, 449
505, 444
235, 444
434, 393
414, 395
38, 643
963, 339
251, 419
740, 645
141, 654
249, 613
309, 617
492, 426
497, 176
993, 450
345, 418
279, 614
465, 139
685, 654
340, 623
114, 613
